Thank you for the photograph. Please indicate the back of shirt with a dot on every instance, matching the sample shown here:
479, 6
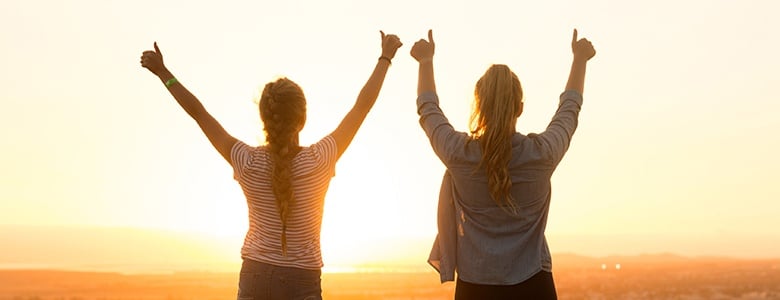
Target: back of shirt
312, 169
496, 245
492, 245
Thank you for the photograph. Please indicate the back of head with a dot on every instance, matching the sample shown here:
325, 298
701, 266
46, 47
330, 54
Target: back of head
283, 111
498, 102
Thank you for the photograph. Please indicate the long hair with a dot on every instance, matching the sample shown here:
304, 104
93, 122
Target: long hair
283, 111
498, 100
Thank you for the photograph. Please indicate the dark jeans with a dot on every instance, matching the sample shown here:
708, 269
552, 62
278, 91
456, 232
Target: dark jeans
261, 281
538, 287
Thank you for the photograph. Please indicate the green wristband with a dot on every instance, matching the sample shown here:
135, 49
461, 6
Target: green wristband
171, 82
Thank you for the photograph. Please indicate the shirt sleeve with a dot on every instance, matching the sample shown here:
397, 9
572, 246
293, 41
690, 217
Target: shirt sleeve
443, 137
325, 154
240, 156
557, 137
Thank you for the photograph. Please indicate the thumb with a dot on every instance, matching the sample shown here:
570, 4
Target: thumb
383, 35
574, 37
430, 36
157, 49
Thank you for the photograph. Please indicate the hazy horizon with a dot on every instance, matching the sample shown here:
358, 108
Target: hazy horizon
136, 250
637, 280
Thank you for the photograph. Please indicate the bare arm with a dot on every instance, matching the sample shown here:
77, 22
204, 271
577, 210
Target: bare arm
349, 126
582, 51
423, 51
217, 135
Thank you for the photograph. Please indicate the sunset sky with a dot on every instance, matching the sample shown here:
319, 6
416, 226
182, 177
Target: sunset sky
676, 149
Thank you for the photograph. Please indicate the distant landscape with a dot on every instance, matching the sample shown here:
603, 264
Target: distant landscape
577, 277
61, 263
138, 250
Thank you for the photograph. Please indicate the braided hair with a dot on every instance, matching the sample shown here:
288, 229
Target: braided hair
283, 112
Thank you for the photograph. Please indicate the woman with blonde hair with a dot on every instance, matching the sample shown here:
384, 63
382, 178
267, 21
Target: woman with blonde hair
495, 195
284, 183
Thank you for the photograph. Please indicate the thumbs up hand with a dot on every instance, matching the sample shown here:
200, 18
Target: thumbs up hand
423, 50
582, 48
153, 60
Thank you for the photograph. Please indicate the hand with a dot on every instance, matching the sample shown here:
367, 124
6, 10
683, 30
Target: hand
582, 48
153, 60
423, 50
390, 44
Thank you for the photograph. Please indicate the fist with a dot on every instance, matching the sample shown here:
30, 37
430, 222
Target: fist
423, 50
153, 60
390, 44
582, 48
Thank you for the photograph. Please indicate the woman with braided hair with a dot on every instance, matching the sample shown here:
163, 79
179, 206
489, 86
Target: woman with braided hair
284, 183
495, 196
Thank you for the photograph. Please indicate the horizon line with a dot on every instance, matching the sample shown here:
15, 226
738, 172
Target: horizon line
373, 267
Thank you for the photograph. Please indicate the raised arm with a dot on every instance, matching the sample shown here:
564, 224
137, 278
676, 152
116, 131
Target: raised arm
367, 97
582, 51
559, 132
445, 141
217, 135
423, 51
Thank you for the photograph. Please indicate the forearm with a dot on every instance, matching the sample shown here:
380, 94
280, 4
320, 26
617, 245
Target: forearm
366, 99
218, 137
186, 100
370, 91
425, 81
577, 75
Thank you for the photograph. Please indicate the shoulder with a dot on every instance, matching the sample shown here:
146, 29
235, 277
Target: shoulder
528, 147
245, 158
244, 154
243, 148
527, 139
323, 146
323, 150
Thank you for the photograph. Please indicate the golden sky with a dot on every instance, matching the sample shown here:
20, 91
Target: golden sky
677, 138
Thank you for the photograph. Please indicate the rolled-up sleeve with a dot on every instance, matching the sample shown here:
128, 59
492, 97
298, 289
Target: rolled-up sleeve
443, 137
557, 137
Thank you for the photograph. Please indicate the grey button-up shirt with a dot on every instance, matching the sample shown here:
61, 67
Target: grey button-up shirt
477, 238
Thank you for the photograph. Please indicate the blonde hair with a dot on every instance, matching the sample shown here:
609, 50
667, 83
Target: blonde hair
283, 111
498, 99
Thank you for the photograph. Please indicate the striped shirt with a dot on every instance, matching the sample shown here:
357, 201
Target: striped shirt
312, 169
